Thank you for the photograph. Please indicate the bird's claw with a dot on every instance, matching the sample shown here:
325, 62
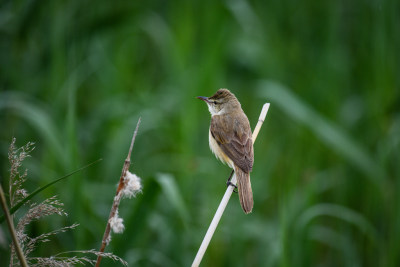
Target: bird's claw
228, 183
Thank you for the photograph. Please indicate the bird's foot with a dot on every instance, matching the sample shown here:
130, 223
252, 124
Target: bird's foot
228, 183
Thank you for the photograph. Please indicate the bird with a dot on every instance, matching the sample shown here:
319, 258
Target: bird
230, 139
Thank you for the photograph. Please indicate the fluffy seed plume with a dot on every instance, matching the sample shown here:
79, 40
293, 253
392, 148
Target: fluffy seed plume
132, 185
117, 223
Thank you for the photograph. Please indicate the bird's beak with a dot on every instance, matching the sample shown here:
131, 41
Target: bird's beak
203, 98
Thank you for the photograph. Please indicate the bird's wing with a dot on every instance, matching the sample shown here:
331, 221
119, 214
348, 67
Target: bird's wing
233, 136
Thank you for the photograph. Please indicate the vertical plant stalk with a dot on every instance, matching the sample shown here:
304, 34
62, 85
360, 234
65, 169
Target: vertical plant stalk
117, 198
10, 224
226, 197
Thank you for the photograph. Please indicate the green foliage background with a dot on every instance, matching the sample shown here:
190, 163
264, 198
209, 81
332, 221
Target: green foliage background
75, 76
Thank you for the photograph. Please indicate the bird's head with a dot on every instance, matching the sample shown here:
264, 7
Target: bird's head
221, 102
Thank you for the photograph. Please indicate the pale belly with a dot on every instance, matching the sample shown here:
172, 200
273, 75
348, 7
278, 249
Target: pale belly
218, 151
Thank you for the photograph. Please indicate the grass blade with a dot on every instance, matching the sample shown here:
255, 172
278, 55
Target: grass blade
331, 134
40, 189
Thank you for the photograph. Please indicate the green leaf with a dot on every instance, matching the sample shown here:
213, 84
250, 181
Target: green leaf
172, 192
340, 212
328, 132
40, 189
38, 117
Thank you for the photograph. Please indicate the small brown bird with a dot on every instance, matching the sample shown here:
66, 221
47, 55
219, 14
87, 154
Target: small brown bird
230, 140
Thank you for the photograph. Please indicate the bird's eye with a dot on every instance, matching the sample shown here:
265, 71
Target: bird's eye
215, 102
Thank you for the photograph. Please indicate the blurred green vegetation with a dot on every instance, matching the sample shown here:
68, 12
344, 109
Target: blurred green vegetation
75, 76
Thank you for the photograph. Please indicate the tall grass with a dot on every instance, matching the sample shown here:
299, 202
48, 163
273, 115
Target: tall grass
75, 76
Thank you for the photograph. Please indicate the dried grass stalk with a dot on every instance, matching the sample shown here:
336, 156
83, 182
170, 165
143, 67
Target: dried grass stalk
129, 185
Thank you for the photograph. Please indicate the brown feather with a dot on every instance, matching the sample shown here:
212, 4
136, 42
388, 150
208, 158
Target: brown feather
234, 139
244, 188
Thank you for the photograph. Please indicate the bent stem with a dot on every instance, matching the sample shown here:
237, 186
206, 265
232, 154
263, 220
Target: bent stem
10, 224
117, 198
226, 197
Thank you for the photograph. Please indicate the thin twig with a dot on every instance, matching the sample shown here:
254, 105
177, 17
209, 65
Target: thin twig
226, 197
10, 224
117, 197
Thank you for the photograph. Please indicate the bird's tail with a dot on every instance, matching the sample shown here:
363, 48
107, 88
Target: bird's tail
244, 188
